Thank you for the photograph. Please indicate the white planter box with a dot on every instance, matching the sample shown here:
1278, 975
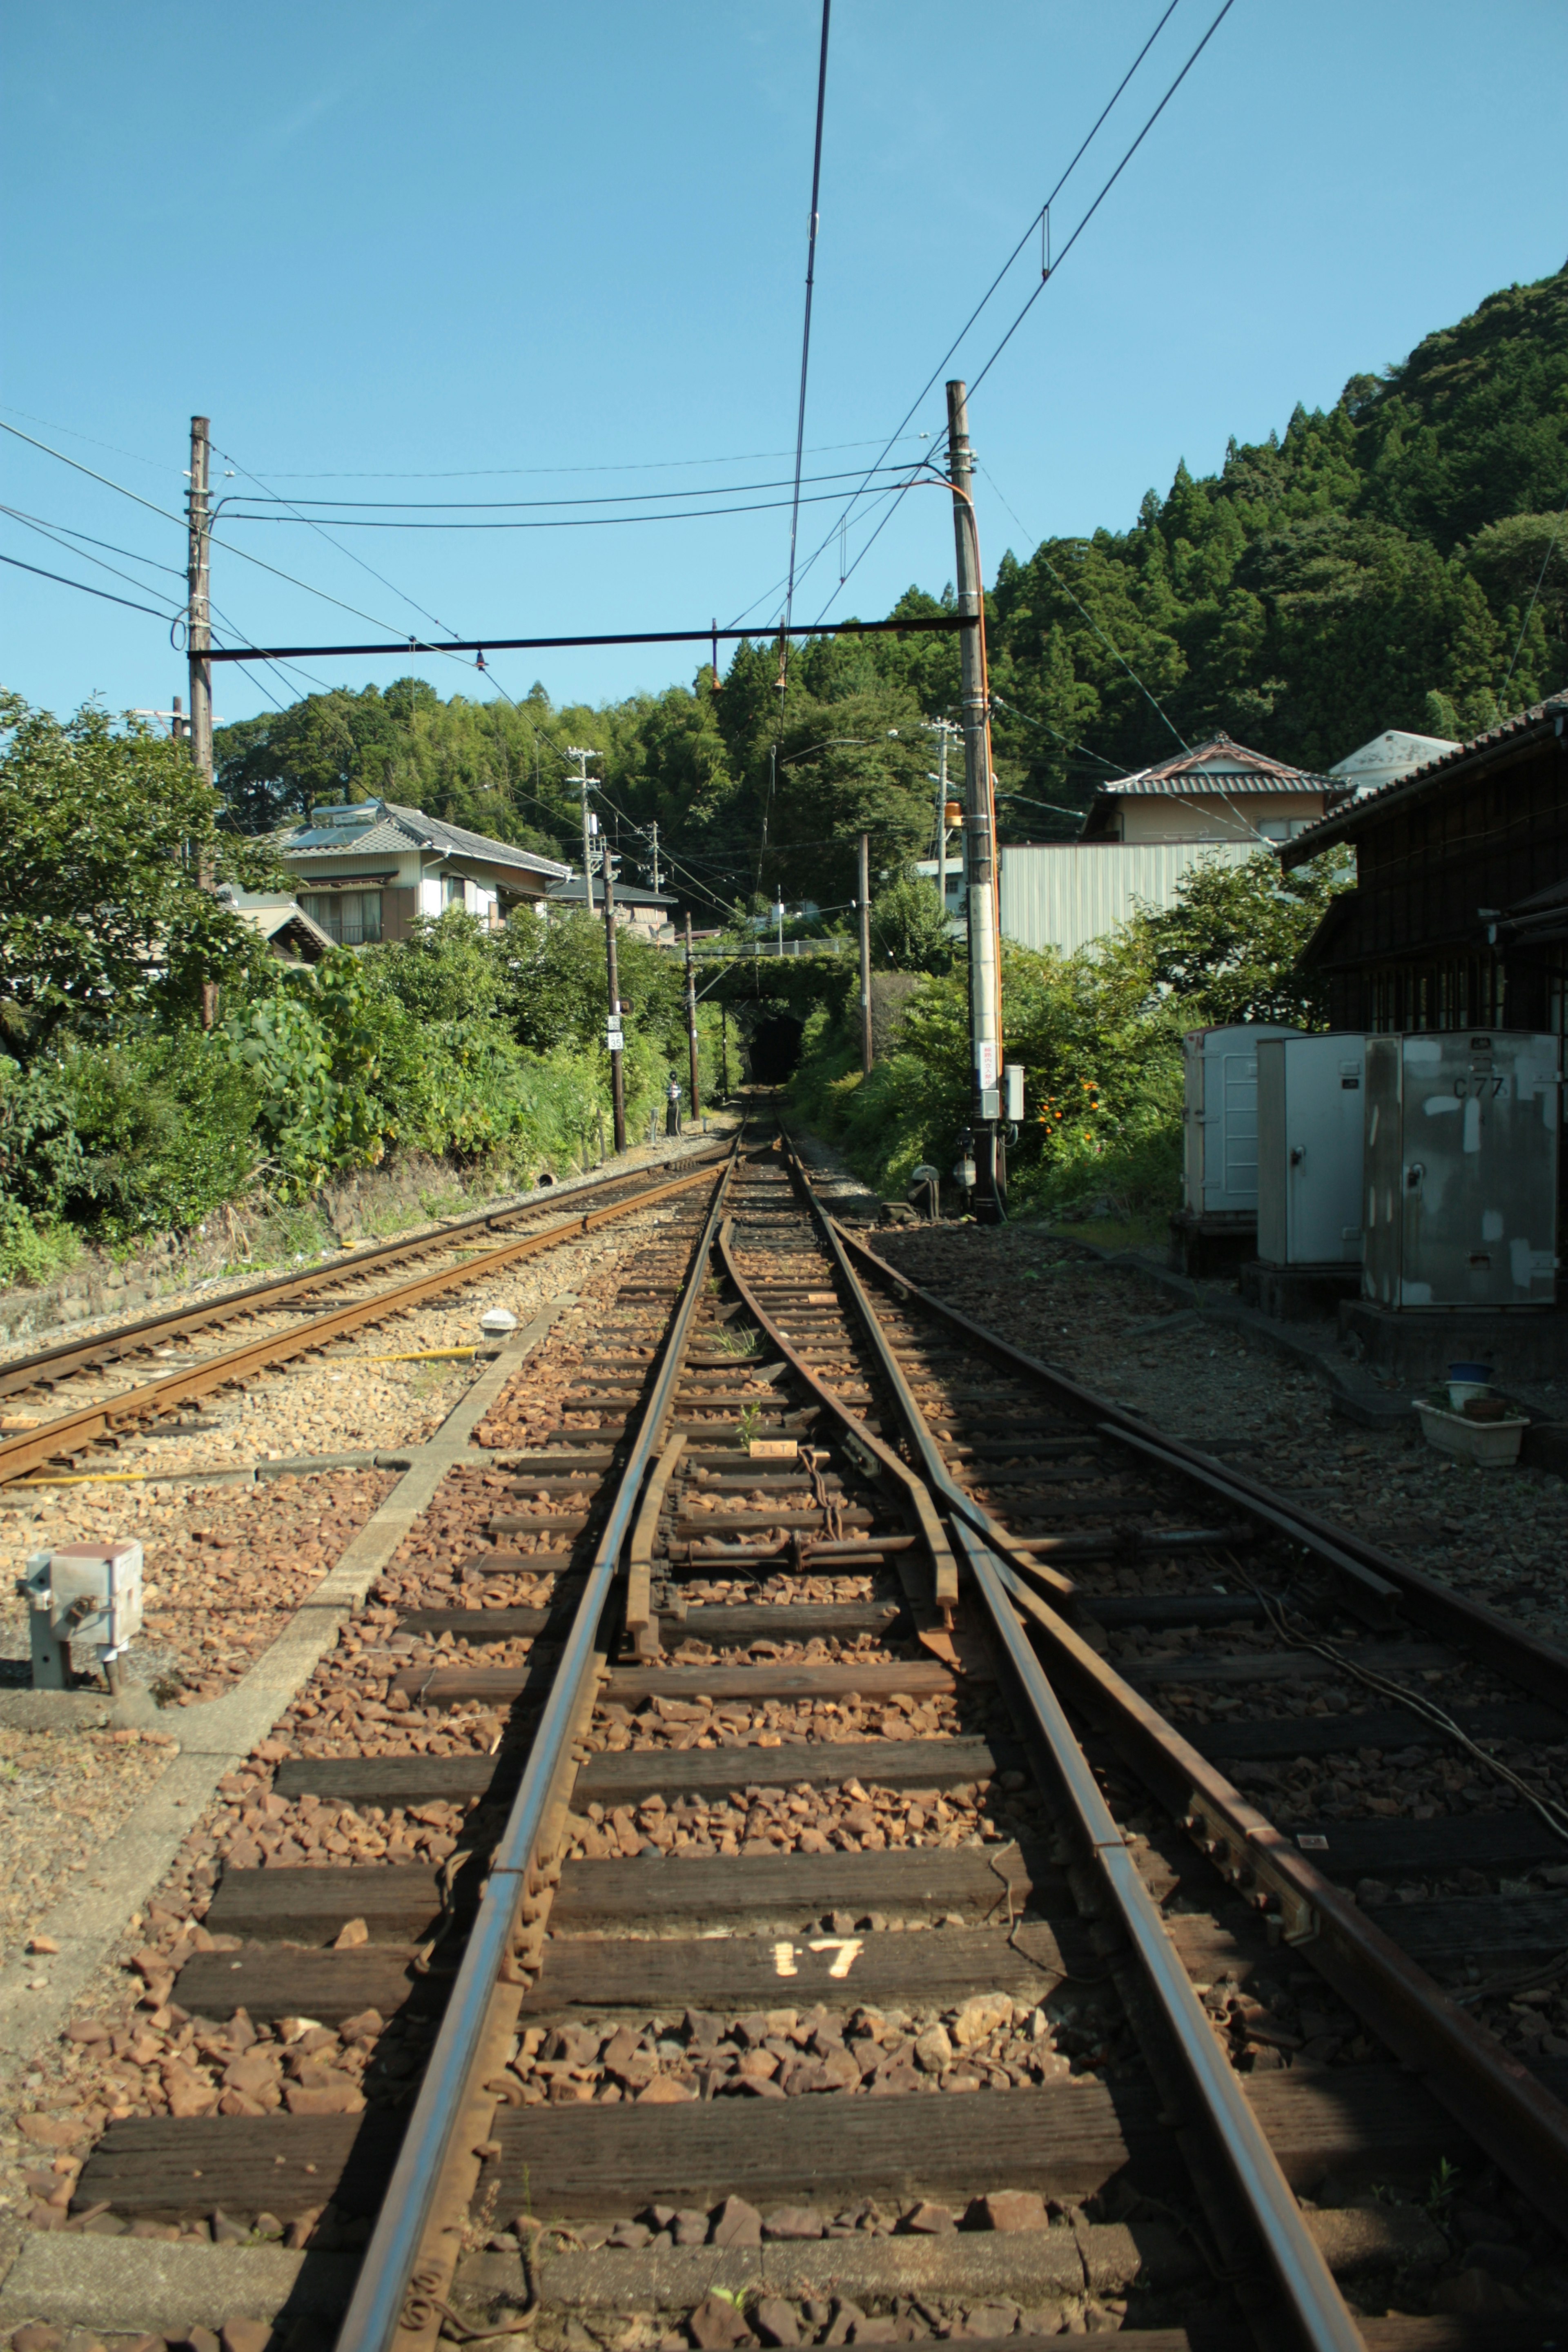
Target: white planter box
1490, 1445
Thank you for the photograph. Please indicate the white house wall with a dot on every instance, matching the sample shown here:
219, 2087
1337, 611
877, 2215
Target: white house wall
1064, 897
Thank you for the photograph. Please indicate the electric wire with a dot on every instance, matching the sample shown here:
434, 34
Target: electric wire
423, 612
1534, 592
490, 473
151, 562
18, 565
1224, 12
805, 343
1006, 265
82, 556
493, 505
559, 522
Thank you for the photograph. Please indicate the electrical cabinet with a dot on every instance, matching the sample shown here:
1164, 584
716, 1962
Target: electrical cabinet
1461, 1170
1219, 1119
1311, 1118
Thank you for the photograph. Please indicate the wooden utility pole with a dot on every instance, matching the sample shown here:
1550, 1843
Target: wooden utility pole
695, 1096
199, 643
863, 905
979, 830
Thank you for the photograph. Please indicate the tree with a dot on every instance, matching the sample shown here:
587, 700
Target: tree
103, 918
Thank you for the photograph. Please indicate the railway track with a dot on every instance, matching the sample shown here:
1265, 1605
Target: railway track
95, 1415
862, 1927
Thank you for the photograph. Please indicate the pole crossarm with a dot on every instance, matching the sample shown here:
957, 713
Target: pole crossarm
940, 623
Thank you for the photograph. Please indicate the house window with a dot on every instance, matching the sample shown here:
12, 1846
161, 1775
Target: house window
351, 917
453, 889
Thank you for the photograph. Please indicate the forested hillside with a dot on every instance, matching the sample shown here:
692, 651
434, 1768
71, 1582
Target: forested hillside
1372, 568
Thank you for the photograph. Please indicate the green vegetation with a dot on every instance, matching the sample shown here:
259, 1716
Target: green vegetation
1099, 1035
122, 1116
1393, 562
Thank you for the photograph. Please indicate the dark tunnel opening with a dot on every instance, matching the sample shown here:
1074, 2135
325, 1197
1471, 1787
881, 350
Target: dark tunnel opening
775, 1049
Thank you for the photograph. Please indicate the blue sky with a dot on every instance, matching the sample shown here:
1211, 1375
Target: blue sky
560, 252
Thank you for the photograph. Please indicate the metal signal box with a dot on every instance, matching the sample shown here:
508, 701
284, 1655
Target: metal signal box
86, 1592
1311, 1116
1461, 1168
1219, 1119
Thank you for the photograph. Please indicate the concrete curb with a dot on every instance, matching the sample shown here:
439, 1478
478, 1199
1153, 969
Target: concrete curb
217, 1737
125, 2286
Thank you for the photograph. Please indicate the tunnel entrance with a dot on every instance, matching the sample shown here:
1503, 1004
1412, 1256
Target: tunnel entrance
775, 1048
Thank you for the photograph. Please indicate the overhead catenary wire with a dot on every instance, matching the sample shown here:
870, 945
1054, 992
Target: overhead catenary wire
1105, 190
1061, 183
494, 506
805, 335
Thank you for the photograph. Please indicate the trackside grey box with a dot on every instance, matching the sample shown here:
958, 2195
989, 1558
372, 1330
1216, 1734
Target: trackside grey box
1219, 1119
1461, 1168
1311, 1095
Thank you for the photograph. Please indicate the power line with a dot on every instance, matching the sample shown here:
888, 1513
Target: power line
37, 568
555, 522
806, 330
420, 609
39, 524
158, 465
44, 531
1105, 191
1002, 273
491, 473
493, 505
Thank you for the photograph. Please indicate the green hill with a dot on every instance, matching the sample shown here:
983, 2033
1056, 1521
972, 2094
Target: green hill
1371, 569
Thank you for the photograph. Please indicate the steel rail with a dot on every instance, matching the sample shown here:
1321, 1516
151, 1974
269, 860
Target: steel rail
1300, 2271
376, 2314
933, 1468
1542, 1666
1300, 2268
873, 1452
1510, 2115
279, 1290
71, 1432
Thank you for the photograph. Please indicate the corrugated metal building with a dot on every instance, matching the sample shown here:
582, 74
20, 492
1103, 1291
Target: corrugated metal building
1064, 894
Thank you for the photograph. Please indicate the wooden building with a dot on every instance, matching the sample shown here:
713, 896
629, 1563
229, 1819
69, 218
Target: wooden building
1459, 916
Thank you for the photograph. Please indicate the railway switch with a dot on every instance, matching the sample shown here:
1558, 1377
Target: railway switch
85, 1593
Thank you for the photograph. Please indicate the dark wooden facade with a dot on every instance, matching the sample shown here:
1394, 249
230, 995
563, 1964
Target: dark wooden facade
1459, 916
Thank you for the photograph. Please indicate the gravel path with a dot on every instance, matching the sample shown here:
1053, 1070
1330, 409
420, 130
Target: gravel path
1498, 1535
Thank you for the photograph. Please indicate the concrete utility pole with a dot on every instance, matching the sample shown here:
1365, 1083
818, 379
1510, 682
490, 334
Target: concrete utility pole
199, 642
979, 830
863, 907
653, 837
695, 1094
198, 622
613, 1036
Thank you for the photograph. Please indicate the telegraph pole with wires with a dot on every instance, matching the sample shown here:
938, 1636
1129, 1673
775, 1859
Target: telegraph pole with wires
198, 644
979, 830
613, 1034
653, 841
694, 1098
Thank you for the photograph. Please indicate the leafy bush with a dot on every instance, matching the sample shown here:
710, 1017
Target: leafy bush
1099, 1034
165, 1127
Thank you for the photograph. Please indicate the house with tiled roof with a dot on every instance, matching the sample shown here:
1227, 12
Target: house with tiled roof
1219, 792
366, 870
